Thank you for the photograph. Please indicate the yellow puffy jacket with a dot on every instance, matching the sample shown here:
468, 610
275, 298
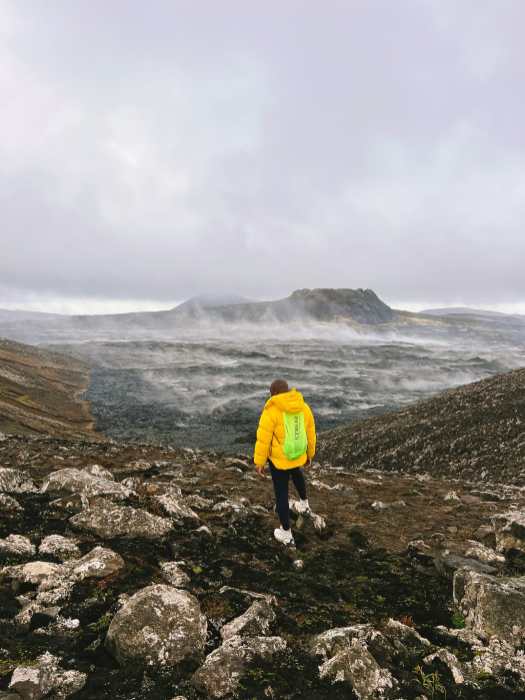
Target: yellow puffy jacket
270, 433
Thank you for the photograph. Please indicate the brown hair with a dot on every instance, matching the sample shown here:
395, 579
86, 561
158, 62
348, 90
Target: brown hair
278, 386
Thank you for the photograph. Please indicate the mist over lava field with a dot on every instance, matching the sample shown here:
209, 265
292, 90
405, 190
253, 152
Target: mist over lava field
207, 389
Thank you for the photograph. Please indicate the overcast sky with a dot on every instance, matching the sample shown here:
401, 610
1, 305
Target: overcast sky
150, 151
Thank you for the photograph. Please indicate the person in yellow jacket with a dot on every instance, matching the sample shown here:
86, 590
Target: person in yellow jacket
286, 439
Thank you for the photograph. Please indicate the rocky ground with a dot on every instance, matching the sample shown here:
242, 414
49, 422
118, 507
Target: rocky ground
476, 431
40, 392
138, 571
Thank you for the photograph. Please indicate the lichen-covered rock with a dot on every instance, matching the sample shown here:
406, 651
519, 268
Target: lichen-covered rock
159, 626
402, 637
108, 520
15, 481
174, 575
8, 504
509, 529
35, 572
357, 666
84, 482
175, 507
98, 563
17, 545
60, 547
54, 582
46, 677
498, 658
222, 669
254, 622
491, 605
450, 661
333, 641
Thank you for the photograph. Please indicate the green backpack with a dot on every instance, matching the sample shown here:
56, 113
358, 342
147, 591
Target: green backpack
295, 441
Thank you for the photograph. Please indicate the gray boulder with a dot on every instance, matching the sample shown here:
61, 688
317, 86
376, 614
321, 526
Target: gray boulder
16, 481
221, 671
254, 622
108, 520
58, 546
98, 563
159, 626
357, 666
491, 605
85, 482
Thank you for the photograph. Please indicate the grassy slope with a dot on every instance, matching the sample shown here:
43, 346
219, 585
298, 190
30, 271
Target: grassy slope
40, 392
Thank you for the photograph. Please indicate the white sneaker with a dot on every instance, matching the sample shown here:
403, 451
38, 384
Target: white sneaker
284, 536
302, 506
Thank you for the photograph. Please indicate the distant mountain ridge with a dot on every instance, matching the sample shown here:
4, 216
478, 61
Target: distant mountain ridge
359, 306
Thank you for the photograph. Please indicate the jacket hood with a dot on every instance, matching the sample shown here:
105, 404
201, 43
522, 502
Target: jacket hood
291, 401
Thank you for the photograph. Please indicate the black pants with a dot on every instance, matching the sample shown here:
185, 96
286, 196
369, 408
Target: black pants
280, 478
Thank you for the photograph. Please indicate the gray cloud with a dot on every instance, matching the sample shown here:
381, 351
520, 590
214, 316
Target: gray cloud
157, 151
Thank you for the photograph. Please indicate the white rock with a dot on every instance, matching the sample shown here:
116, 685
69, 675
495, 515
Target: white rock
254, 622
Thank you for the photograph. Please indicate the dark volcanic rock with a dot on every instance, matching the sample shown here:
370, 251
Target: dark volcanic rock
373, 610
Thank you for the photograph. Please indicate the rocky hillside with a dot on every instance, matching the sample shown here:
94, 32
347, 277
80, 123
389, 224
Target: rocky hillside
474, 432
40, 392
138, 572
